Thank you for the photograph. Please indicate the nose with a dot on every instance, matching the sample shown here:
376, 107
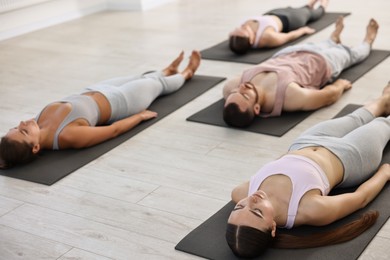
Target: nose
243, 87
253, 199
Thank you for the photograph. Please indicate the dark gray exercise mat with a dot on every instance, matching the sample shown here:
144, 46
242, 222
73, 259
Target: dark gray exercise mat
52, 166
278, 126
222, 51
208, 240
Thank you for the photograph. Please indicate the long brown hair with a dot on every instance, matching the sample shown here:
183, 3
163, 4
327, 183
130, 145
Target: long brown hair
14, 153
238, 241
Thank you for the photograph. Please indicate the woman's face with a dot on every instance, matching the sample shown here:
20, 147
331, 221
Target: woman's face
254, 211
244, 31
27, 131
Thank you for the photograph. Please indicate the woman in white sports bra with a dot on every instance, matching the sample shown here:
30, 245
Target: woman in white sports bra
99, 113
275, 27
293, 190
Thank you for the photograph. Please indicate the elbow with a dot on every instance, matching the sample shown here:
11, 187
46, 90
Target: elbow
116, 131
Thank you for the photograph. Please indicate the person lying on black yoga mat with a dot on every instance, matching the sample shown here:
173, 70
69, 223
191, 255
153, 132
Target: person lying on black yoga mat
295, 78
293, 190
275, 27
103, 111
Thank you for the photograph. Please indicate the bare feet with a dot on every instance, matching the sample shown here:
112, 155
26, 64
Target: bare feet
173, 67
372, 30
386, 90
192, 65
381, 106
311, 3
324, 3
339, 28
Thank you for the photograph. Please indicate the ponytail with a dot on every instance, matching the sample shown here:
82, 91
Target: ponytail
247, 241
338, 235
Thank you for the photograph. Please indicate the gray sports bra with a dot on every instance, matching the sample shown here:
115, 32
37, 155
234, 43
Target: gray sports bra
83, 107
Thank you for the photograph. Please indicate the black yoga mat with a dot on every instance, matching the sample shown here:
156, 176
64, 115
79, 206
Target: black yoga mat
52, 166
278, 126
208, 240
222, 51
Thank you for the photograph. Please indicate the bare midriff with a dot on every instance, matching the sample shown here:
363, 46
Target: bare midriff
327, 160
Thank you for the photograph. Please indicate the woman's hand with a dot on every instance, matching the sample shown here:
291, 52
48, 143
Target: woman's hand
307, 30
385, 169
147, 114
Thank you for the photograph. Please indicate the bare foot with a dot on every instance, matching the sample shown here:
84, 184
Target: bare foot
311, 3
372, 30
192, 65
173, 67
381, 106
324, 3
339, 28
386, 90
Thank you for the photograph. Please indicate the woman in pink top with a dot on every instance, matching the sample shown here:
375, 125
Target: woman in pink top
275, 27
293, 190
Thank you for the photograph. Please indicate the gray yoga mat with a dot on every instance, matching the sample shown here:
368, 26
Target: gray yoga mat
208, 240
278, 126
222, 51
52, 166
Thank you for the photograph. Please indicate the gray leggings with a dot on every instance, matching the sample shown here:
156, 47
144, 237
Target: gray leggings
294, 18
133, 94
357, 139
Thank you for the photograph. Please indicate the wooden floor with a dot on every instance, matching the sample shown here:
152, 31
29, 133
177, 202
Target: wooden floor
140, 199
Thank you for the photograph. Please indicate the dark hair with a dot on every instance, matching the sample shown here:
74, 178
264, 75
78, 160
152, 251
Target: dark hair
13, 152
239, 44
232, 115
250, 242
246, 241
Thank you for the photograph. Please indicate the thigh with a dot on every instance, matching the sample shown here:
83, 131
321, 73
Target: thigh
297, 17
341, 126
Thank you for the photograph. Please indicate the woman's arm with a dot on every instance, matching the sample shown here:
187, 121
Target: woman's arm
271, 38
328, 209
86, 136
298, 98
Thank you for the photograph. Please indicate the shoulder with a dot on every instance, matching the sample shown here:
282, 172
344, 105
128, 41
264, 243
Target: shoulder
240, 192
311, 209
231, 84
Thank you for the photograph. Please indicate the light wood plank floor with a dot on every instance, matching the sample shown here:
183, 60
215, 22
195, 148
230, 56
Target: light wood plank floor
139, 200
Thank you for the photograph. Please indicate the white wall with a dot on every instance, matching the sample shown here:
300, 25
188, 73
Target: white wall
23, 18
135, 4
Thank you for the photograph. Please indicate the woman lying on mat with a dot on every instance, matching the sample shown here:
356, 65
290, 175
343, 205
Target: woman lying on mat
276, 27
103, 111
293, 190
299, 77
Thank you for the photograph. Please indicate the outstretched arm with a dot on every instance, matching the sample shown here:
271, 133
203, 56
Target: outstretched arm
86, 136
274, 39
298, 98
331, 208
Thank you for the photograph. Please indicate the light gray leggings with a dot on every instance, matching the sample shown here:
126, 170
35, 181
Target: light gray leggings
357, 139
133, 94
297, 17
